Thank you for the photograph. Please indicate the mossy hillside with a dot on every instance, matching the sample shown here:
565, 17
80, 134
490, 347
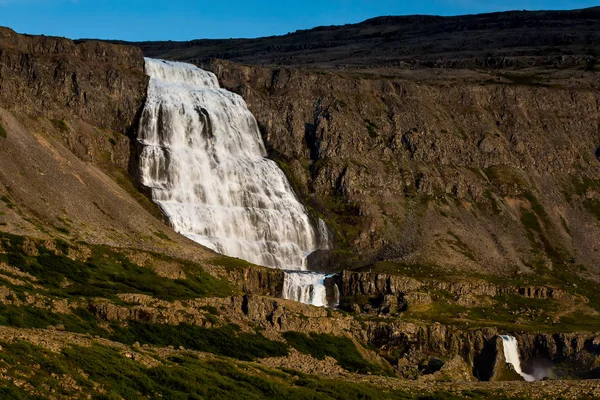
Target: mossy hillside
340, 348
227, 340
107, 273
106, 373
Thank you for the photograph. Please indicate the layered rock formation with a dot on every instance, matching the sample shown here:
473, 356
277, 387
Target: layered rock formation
479, 175
100, 83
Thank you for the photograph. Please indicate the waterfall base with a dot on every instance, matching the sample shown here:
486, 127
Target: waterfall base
511, 354
308, 287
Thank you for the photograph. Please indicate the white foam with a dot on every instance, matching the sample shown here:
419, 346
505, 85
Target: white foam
511, 354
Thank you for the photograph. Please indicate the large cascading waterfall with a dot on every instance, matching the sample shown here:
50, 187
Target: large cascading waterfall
204, 162
511, 354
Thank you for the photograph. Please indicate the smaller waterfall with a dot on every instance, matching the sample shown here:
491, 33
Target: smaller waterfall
309, 288
305, 287
511, 354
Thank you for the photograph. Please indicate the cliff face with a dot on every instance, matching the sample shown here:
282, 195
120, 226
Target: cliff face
490, 173
103, 84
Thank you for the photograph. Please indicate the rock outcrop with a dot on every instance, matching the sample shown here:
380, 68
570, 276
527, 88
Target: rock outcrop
102, 84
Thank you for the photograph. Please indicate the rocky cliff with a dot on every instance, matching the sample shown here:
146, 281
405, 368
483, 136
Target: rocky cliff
493, 173
102, 84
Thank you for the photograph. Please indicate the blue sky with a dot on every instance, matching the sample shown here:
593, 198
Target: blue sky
184, 20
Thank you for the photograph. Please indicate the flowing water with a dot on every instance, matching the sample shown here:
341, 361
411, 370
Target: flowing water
511, 354
203, 160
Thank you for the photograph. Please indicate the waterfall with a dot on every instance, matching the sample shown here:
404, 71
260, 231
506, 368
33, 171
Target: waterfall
306, 287
203, 160
511, 354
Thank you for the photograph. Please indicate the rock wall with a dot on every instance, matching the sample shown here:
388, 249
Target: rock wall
102, 84
460, 173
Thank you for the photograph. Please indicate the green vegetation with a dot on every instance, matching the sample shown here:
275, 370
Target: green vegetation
536, 206
105, 373
529, 220
505, 175
461, 246
340, 348
524, 78
412, 270
371, 128
60, 125
584, 184
3, 132
226, 340
80, 321
511, 312
593, 206
126, 183
107, 273
230, 263
161, 236
495, 206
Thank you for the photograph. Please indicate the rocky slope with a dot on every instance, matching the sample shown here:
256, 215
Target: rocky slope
465, 204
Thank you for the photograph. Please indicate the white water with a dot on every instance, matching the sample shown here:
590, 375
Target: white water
204, 162
305, 287
511, 354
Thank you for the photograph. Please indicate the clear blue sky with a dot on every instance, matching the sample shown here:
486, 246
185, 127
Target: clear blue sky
184, 20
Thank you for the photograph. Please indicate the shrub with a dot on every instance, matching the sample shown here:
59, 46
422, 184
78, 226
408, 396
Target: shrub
226, 340
339, 347
107, 273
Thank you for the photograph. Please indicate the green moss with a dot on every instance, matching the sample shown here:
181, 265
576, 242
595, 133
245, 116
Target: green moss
127, 184
536, 206
593, 206
161, 236
530, 220
80, 321
582, 185
60, 125
412, 270
210, 309
340, 348
107, 273
230, 263
3, 132
461, 247
63, 230
226, 340
523, 78
495, 207
505, 175
62, 246
371, 128
104, 373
